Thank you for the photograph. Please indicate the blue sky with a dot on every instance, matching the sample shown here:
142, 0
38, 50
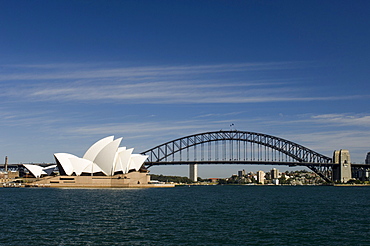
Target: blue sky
72, 72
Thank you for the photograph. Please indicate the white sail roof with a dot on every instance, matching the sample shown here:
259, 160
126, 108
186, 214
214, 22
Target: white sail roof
49, 169
136, 161
37, 170
104, 156
65, 162
94, 150
79, 165
34, 169
117, 160
93, 168
124, 159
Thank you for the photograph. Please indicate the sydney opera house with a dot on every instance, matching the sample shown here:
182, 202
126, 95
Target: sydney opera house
105, 164
104, 158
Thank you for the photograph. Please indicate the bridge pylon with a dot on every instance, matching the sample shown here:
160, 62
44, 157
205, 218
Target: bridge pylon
343, 171
193, 172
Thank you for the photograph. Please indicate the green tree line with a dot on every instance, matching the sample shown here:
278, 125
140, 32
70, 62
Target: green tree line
175, 179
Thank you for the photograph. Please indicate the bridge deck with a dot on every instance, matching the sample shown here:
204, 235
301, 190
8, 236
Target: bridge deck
249, 163
236, 162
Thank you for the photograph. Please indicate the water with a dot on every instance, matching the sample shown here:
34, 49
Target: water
197, 215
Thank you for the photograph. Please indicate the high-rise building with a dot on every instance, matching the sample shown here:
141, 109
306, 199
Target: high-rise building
261, 177
274, 173
241, 173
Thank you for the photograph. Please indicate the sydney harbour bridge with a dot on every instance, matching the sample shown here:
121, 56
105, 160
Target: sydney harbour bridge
241, 147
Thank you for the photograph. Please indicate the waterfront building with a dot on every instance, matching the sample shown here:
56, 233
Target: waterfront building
213, 180
104, 165
367, 160
274, 173
8, 176
241, 173
104, 158
261, 177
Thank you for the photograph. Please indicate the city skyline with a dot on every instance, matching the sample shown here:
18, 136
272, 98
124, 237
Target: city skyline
155, 71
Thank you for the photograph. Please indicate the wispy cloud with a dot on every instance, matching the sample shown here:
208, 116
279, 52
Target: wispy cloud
343, 119
171, 92
134, 129
362, 120
221, 83
64, 71
325, 142
219, 115
33, 118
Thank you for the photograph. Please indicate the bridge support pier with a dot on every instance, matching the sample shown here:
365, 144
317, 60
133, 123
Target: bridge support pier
343, 172
193, 172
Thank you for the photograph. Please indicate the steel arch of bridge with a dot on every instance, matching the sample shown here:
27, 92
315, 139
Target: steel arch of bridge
238, 147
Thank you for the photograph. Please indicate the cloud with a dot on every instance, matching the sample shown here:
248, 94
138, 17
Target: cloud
325, 142
219, 114
163, 92
202, 84
25, 118
342, 119
135, 129
64, 71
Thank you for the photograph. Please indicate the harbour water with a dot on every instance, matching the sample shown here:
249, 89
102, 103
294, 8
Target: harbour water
196, 215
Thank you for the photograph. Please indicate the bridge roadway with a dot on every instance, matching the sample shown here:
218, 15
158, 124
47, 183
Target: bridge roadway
291, 164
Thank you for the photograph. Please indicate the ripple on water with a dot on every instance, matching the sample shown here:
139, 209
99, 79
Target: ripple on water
211, 215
